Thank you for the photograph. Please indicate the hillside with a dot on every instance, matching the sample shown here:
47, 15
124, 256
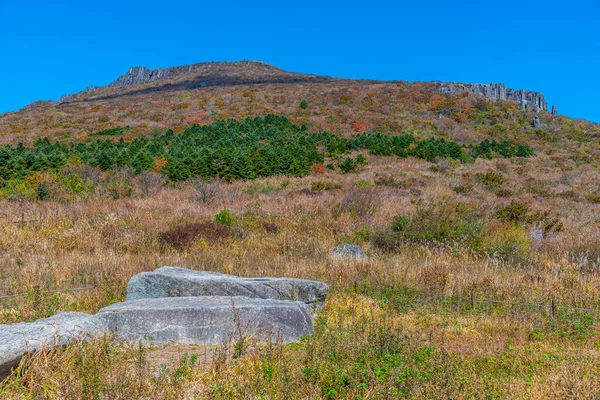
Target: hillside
476, 206
149, 101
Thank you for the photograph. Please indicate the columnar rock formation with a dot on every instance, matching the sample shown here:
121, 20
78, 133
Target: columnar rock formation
141, 75
498, 91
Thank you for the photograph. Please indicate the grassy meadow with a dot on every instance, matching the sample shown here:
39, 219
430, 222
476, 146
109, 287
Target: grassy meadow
402, 324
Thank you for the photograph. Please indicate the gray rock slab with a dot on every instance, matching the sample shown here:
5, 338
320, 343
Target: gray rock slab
206, 320
182, 282
18, 340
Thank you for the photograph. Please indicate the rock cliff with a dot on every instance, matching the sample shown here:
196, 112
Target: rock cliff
498, 91
141, 75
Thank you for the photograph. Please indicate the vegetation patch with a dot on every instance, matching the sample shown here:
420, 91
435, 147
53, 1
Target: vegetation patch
111, 132
247, 149
183, 235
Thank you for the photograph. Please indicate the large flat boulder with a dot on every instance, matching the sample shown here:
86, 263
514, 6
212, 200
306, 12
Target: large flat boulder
181, 282
18, 340
207, 320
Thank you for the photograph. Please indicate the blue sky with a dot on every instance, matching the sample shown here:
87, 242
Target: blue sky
49, 48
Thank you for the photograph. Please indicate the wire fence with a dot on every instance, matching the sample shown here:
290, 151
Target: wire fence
28, 217
36, 291
535, 313
472, 303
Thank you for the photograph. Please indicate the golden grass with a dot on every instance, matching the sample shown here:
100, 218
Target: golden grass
506, 352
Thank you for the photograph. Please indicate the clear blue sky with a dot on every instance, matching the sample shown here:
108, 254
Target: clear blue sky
49, 48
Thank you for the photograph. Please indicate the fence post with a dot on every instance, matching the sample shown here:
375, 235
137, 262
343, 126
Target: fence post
553, 307
473, 300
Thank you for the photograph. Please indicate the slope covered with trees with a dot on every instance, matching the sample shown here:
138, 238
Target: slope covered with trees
250, 148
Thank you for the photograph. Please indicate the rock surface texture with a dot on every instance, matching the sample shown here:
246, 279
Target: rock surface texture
498, 91
142, 75
178, 305
348, 251
18, 340
181, 282
207, 320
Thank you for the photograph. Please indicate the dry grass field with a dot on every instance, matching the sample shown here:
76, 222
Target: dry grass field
413, 297
454, 300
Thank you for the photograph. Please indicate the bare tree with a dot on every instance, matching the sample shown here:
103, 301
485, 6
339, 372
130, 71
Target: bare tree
149, 183
205, 192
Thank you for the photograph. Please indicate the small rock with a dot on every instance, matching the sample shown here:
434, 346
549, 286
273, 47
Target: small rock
348, 251
537, 234
536, 122
18, 340
207, 320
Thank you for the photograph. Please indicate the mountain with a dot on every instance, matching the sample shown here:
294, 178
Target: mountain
149, 100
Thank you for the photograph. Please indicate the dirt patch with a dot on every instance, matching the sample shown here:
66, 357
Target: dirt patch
170, 355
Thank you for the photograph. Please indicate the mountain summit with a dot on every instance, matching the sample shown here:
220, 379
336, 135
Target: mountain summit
142, 75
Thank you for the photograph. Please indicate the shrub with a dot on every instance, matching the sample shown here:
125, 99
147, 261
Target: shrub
503, 192
520, 214
390, 181
514, 212
386, 240
348, 165
508, 243
442, 221
505, 149
490, 179
324, 185
182, 235
111, 132
351, 165
304, 104
225, 217
359, 202
42, 192
118, 183
462, 189
319, 169
593, 198
270, 227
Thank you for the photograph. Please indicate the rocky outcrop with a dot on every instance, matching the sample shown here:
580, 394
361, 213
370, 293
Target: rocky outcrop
554, 110
181, 282
18, 340
498, 91
142, 75
178, 305
207, 320
70, 97
527, 99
